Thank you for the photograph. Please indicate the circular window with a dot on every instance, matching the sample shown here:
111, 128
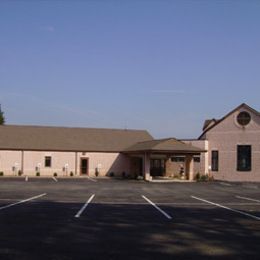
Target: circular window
243, 118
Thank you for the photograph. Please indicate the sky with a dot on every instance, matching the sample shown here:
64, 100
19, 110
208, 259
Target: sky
164, 66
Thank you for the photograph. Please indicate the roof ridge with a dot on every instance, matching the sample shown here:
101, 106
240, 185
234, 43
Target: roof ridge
72, 127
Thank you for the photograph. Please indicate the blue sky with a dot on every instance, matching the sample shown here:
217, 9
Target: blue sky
164, 66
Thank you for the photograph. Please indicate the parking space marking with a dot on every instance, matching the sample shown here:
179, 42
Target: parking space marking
23, 201
84, 206
225, 184
245, 198
91, 179
224, 207
54, 179
159, 209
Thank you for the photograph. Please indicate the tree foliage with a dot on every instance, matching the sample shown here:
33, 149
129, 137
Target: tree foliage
2, 117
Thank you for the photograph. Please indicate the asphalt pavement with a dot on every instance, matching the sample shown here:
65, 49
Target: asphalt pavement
124, 219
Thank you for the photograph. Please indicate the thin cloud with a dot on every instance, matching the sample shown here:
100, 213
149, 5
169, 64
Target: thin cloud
168, 91
50, 105
49, 28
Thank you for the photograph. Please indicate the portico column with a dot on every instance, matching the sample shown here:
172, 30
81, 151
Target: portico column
168, 168
147, 175
189, 167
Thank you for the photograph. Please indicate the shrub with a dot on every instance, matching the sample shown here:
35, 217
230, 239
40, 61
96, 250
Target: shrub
111, 174
38, 174
71, 174
20, 173
1, 173
55, 174
96, 172
197, 176
204, 178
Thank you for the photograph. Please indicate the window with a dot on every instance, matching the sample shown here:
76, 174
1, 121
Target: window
47, 161
214, 161
243, 118
178, 159
244, 157
196, 159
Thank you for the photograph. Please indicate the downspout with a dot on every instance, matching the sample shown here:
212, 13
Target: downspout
22, 161
76, 162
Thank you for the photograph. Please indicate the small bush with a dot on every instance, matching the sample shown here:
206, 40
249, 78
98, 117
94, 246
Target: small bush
96, 172
197, 176
204, 177
20, 173
55, 174
71, 174
111, 174
1, 173
38, 174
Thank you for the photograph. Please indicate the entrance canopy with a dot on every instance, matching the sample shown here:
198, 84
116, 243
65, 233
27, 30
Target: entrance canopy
164, 148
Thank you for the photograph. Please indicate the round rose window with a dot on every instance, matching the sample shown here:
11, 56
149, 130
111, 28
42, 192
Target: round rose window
243, 118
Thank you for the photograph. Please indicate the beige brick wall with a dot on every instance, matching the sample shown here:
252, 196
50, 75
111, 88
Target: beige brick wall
8, 160
105, 162
225, 137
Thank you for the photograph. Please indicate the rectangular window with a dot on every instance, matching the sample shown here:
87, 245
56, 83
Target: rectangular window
214, 161
244, 158
47, 161
178, 159
196, 159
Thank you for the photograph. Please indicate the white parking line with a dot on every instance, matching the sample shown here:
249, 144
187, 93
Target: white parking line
163, 212
245, 198
84, 206
22, 201
91, 179
225, 184
224, 207
54, 179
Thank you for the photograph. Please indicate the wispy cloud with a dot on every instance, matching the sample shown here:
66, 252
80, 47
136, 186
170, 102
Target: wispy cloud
50, 105
49, 28
168, 91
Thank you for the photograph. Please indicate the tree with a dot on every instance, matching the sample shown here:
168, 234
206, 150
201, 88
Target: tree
2, 117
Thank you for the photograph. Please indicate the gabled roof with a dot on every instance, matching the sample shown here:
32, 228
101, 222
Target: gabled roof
206, 129
170, 145
43, 138
208, 123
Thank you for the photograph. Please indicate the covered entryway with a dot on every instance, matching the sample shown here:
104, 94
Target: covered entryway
157, 154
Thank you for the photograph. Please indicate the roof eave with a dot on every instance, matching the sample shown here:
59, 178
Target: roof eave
167, 151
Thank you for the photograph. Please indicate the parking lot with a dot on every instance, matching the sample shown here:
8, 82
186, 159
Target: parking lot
123, 219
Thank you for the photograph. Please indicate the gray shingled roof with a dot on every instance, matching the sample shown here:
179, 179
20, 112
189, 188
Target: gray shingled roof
170, 145
69, 139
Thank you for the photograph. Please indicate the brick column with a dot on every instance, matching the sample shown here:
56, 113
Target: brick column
189, 162
168, 167
147, 175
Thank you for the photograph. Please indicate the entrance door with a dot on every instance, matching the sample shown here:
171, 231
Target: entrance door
84, 166
157, 167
